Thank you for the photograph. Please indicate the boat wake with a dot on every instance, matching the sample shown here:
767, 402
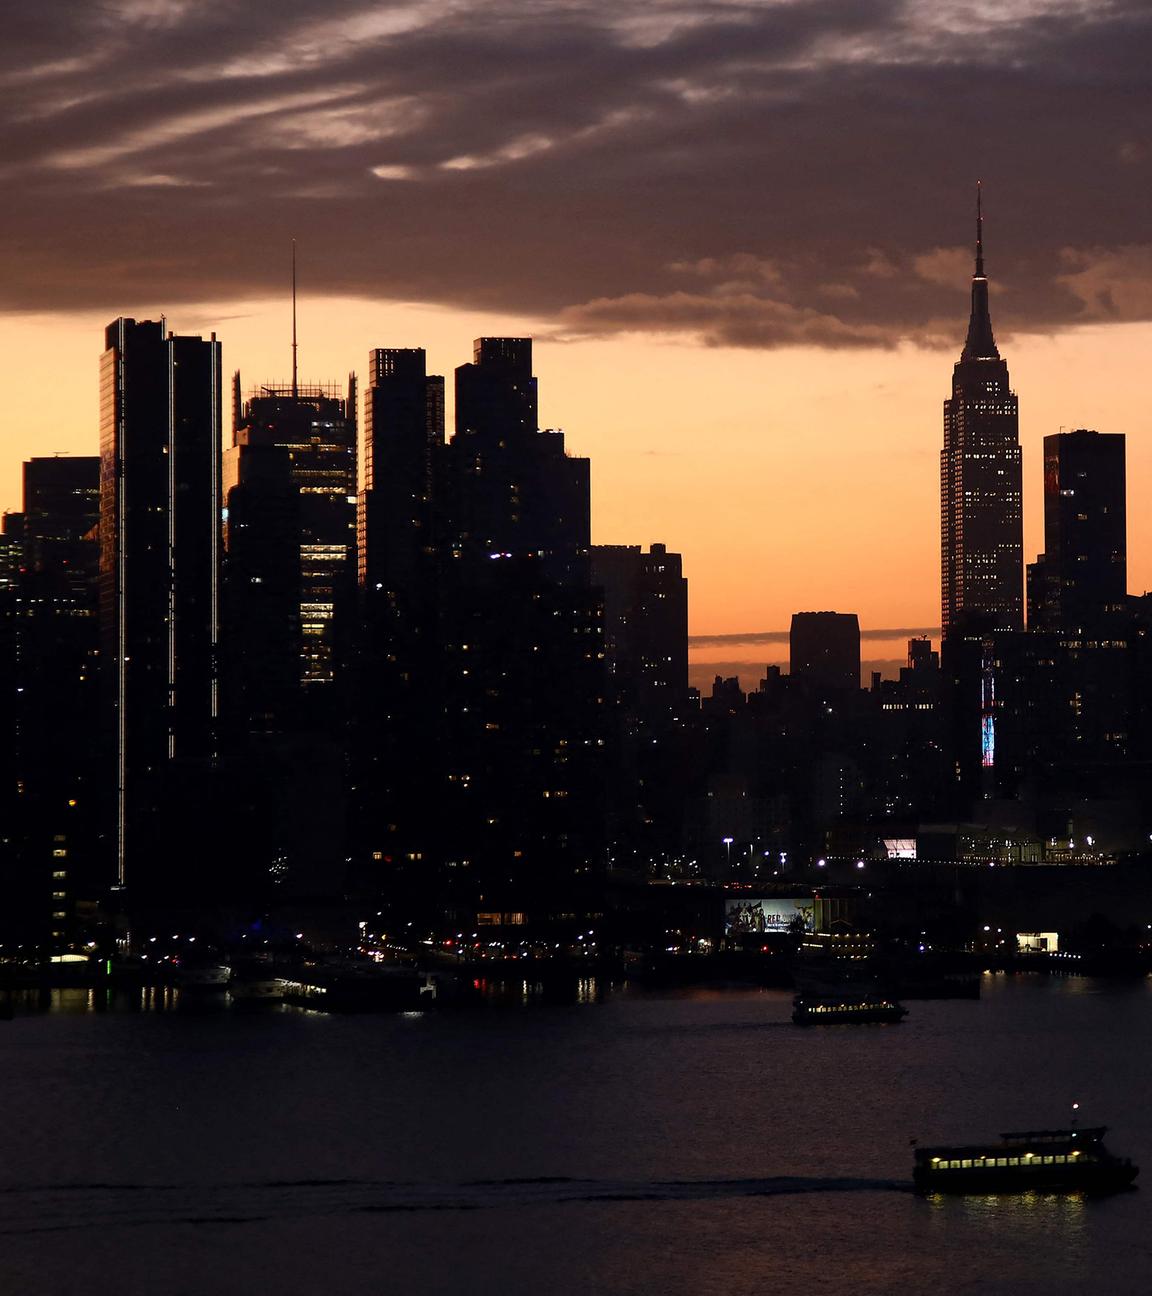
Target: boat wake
70, 1207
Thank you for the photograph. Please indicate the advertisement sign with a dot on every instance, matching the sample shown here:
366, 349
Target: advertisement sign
774, 915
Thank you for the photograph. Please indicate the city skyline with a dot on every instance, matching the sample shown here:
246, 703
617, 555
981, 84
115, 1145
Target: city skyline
719, 582
736, 336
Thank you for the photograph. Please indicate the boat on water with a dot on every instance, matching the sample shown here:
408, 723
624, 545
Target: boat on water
356, 986
839, 1009
1068, 1160
206, 975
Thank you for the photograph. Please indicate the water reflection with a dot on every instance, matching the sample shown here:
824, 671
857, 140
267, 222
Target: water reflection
73, 1001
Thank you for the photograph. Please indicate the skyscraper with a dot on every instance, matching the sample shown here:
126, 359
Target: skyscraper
403, 433
824, 649
50, 647
645, 629
521, 812
1082, 576
316, 427
159, 578
512, 491
61, 510
981, 514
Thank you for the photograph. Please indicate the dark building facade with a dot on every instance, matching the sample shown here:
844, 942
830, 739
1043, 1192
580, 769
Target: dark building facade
61, 513
824, 650
1080, 582
403, 434
645, 628
50, 798
981, 510
160, 546
499, 804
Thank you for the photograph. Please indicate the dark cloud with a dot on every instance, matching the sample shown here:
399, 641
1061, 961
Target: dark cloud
752, 174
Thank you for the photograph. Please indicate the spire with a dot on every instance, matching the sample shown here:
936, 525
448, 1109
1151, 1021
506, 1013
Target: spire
295, 385
980, 344
979, 230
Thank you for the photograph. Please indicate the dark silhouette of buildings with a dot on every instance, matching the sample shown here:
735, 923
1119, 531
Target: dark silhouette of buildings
981, 512
1080, 582
480, 745
824, 650
48, 654
160, 545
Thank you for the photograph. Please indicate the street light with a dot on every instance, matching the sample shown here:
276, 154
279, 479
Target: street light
728, 842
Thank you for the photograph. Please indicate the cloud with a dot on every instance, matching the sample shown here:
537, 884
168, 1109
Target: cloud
743, 173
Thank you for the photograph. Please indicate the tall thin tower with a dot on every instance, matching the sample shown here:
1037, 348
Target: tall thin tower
981, 511
159, 577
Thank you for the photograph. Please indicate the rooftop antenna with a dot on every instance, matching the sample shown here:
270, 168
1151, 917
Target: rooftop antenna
979, 229
295, 385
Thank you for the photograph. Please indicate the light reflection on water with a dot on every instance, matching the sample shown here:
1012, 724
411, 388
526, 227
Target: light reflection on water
589, 1141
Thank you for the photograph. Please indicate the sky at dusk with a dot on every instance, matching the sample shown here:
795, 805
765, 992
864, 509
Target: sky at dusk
740, 234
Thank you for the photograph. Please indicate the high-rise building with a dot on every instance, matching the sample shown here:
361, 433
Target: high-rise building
512, 492
316, 427
395, 728
403, 434
981, 512
824, 650
520, 643
1082, 577
49, 645
159, 581
261, 607
645, 628
61, 513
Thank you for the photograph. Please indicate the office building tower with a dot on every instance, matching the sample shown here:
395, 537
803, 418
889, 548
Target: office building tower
61, 513
1081, 579
49, 645
316, 427
403, 434
981, 514
511, 490
520, 646
645, 628
159, 579
396, 723
824, 650
261, 611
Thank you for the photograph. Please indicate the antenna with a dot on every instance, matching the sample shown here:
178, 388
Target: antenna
979, 229
295, 384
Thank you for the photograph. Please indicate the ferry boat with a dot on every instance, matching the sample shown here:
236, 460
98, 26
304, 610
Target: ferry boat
832, 1009
1069, 1160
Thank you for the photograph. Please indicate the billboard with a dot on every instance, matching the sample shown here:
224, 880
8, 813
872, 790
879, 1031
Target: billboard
773, 915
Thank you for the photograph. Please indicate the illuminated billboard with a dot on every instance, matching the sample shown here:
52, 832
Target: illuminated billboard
765, 916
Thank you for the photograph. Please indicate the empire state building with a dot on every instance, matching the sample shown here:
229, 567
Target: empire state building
981, 513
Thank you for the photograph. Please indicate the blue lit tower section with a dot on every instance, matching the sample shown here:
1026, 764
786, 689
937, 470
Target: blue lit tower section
981, 512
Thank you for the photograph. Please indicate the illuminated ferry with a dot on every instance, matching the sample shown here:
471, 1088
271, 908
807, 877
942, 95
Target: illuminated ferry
1071, 1160
849, 1006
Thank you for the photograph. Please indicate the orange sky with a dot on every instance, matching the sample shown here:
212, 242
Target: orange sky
790, 479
